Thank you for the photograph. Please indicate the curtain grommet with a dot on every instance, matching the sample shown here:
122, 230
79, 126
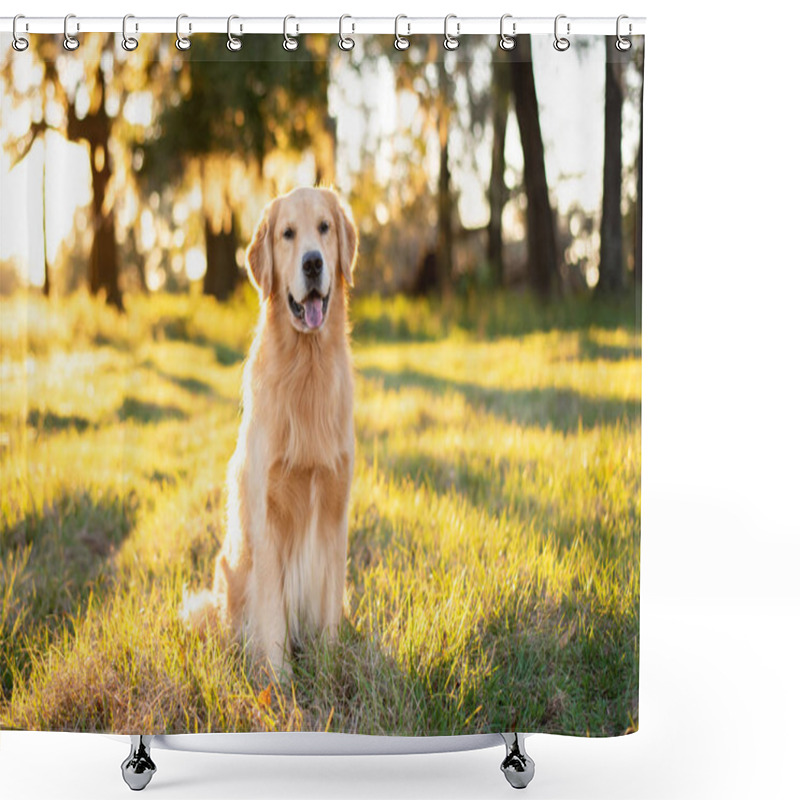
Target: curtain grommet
289, 42
70, 42
129, 43
508, 41
451, 42
182, 42
622, 44
346, 43
19, 43
234, 43
561, 43
401, 42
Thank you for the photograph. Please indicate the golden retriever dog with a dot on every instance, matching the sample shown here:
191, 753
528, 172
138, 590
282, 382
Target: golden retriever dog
281, 569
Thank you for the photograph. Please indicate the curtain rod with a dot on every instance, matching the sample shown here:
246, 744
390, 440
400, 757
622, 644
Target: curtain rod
407, 25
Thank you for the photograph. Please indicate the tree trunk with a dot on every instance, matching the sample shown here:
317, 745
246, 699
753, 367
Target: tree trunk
324, 147
611, 267
498, 192
444, 238
444, 241
103, 259
103, 265
134, 257
95, 128
542, 258
222, 272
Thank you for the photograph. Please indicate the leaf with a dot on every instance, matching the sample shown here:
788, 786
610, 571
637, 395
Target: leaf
265, 698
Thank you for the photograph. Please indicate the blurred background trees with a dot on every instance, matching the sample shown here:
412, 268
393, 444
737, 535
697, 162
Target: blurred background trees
498, 191
230, 112
542, 266
76, 105
611, 267
448, 160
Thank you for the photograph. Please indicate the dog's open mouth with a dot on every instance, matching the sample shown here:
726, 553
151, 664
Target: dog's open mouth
311, 310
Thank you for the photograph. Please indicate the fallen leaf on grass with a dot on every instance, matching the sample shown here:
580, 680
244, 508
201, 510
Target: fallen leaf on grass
265, 698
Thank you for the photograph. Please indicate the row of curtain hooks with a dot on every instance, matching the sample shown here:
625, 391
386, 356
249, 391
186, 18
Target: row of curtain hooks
401, 42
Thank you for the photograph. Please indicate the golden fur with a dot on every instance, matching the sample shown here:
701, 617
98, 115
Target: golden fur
281, 568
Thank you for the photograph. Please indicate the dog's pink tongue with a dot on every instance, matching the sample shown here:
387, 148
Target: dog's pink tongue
313, 315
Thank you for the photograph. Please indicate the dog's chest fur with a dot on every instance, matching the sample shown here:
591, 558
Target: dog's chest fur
302, 392
302, 429
305, 506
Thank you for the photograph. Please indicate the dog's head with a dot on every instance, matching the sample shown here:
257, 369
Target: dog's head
304, 242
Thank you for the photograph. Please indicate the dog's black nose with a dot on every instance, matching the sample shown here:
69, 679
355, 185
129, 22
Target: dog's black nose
312, 264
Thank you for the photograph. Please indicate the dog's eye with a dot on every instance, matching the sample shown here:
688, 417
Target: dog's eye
288, 233
324, 227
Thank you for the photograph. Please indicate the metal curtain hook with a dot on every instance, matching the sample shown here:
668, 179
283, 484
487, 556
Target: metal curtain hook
561, 43
234, 44
70, 42
181, 41
128, 42
622, 44
288, 42
346, 42
400, 42
451, 42
507, 42
19, 43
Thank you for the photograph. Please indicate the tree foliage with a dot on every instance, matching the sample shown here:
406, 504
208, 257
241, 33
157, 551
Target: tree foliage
232, 110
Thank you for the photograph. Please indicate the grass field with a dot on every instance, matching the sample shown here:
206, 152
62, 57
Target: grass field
493, 576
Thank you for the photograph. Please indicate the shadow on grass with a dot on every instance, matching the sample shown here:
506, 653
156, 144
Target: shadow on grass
519, 668
561, 409
226, 355
591, 350
481, 487
178, 329
571, 669
489, 315
192, 385
188, 384
53, 558
387, 328
141, 411
49, 421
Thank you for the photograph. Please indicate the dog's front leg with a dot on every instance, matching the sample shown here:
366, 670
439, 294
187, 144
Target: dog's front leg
263, 618
333, 527
267, 628
337, 567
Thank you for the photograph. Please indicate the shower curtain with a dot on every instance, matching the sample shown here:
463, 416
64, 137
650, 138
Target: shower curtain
492, 575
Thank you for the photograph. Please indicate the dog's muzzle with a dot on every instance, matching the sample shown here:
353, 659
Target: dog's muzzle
311, 310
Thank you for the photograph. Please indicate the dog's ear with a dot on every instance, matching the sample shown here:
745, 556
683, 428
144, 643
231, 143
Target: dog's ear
348, 241
259, 253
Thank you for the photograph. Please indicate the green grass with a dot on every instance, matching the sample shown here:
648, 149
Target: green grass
493, 574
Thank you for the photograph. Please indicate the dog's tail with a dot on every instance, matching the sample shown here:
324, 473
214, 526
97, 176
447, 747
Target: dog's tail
199, 611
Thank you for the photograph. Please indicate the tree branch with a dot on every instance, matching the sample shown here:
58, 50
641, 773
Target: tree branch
36, 130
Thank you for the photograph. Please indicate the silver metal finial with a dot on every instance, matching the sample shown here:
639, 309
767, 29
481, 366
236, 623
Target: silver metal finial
138, 768
517, 766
